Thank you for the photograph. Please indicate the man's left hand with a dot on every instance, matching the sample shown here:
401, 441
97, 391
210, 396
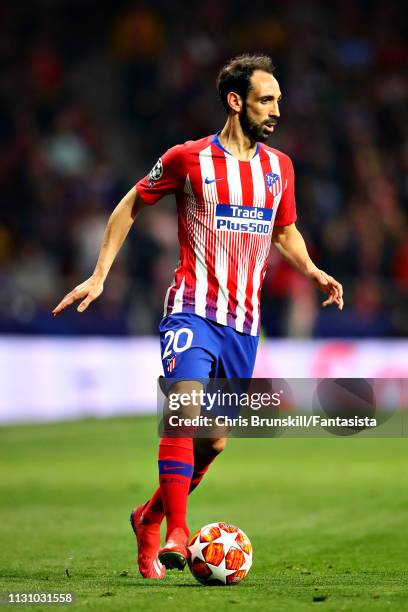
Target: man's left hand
332, 288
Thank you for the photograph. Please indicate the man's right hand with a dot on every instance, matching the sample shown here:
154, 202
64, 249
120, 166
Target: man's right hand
87, 291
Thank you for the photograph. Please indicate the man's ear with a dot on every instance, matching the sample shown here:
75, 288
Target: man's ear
235, 101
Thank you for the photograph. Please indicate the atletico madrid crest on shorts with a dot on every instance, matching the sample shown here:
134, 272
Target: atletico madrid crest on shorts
171, 363
273, 183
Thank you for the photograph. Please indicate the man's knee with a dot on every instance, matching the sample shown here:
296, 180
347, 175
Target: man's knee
218, 445
210, 447
183, 398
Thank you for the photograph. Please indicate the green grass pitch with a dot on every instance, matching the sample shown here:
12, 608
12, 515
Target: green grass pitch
327, 518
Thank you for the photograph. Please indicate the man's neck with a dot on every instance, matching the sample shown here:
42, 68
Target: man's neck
235, 141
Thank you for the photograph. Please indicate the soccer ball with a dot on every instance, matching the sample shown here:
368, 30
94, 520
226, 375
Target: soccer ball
219, 554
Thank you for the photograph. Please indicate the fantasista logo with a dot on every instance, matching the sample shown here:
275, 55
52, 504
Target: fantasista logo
247, 219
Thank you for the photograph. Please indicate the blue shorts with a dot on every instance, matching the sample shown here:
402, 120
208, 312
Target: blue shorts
196, 348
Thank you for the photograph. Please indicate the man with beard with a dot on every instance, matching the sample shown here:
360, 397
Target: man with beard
234, 195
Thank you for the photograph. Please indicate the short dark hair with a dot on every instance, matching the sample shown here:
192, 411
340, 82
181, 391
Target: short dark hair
236, 75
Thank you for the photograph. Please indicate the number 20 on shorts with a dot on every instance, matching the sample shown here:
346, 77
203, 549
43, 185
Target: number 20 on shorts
178, 341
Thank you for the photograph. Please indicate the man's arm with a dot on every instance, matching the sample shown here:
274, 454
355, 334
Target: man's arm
290, 244
117, 229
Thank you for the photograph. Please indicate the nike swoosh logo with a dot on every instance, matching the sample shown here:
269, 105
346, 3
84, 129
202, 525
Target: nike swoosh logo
208, 181
173, 467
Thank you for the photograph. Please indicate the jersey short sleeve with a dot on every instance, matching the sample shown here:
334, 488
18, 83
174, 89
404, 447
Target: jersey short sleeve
166, 176
286, 213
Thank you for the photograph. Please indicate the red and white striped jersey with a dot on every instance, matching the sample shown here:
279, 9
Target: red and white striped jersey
226, 212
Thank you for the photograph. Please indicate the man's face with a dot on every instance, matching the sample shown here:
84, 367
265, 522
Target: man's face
260, 111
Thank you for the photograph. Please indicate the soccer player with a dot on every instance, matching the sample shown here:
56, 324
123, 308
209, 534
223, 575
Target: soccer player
234, 195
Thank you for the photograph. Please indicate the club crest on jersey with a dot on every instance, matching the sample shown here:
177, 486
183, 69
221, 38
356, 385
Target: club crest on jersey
155, 173
171, 363
273, 183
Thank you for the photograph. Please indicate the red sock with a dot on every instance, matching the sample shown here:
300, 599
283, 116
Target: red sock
154, 511
176, 466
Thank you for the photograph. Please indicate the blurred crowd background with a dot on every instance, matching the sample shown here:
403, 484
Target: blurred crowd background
91, 93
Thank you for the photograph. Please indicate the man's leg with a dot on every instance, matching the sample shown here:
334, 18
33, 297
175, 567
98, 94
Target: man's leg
191, 363
205, 451
176, 467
